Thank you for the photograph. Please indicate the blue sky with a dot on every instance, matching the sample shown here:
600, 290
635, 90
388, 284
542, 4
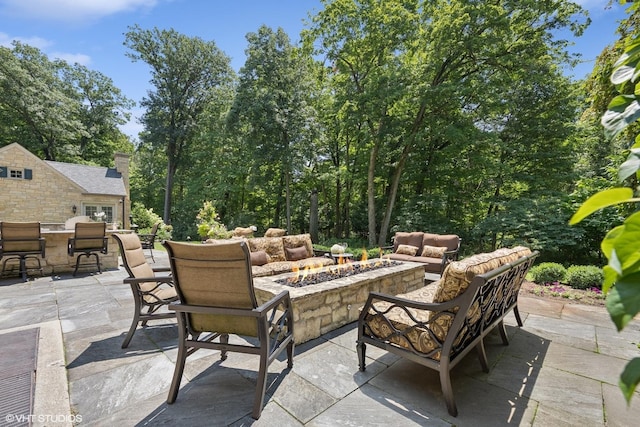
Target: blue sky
91, 32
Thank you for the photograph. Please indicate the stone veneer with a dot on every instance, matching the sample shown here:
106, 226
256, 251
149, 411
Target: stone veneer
323, 307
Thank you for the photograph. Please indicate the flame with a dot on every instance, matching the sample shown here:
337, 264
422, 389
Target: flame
365, 255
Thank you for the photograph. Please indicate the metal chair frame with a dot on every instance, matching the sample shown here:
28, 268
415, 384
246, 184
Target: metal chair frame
21, 240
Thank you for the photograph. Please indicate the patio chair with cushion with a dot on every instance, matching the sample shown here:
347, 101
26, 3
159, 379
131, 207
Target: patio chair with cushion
89, 240
151, 292
149, 240
21, 240
215, 286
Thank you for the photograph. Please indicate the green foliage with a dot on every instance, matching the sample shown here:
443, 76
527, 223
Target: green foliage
146, 218
584, 276
547, 272
622, 274
59, 111
209, 225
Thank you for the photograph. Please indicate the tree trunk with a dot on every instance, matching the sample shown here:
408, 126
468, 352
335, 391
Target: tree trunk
171, 170
371, 194
393, 194
288, 200
313, 216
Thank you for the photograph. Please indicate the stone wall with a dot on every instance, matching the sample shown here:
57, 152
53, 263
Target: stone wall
321, 308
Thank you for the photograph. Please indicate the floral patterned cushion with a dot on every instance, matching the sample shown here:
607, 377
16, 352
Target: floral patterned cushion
455, 280
433, 251
407, 250
271, 245
297, 241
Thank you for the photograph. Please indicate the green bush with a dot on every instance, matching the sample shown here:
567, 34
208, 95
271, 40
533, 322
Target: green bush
547, 272
584, 276
145, 219
209, 225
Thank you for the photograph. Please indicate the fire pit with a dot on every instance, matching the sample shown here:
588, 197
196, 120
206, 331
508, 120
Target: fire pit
318, 274
322, 307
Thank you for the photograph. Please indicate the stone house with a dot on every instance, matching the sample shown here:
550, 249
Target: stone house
32, 189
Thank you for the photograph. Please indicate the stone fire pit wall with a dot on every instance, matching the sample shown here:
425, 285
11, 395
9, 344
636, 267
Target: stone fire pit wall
323, 307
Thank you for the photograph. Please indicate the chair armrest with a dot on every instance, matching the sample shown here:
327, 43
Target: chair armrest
157, 279
404, 302
161, 269
256, 312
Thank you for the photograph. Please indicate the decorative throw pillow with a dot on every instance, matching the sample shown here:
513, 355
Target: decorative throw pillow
433, 251
407, 250
259, 258
296, 254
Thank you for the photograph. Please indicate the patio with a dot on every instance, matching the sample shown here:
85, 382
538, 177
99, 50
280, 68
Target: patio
561, 368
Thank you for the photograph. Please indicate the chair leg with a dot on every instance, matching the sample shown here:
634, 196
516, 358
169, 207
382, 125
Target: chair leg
516, 313
361, 349
261, 387
447, 391
180, 361
23, 268
503, 333
482, 355
151, 252
132, 329
224, 339
88, 255
290, 348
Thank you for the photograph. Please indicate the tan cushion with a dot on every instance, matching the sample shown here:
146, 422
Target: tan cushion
271, 245
433, 251
275, 232
413, 239
295, 254
259, 258
407, 250
297, 240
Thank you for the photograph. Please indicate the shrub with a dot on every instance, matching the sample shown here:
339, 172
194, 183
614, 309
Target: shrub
145, 219
584, 276
209, 225
548, 272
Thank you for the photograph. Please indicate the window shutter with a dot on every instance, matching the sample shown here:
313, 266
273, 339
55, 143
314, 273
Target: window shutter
3, 171
28, 174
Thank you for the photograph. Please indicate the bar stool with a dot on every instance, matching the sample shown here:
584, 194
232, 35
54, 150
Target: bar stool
21, 240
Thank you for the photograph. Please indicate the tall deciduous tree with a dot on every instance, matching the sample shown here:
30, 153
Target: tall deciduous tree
414, 69
184, 72
273, 102
59, 111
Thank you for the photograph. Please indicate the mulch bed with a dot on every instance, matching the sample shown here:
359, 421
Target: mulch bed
564, 293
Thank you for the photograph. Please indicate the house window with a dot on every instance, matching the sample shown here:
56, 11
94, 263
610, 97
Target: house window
99, 212
7, 172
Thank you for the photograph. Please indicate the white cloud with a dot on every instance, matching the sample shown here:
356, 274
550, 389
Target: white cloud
39, 42
72, 58
71, 10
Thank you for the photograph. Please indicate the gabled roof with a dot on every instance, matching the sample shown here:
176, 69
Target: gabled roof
92, 179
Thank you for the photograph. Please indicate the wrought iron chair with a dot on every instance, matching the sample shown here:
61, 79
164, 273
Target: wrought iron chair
150, 291
21, 240
148, 240
215, 287
89, 240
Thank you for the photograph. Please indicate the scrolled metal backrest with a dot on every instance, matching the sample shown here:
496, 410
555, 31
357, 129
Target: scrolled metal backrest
493, 294
214, 276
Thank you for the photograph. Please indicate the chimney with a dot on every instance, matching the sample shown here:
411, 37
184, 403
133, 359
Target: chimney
122, 165
121, 161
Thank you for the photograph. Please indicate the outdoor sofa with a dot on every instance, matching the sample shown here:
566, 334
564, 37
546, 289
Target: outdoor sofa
434, 251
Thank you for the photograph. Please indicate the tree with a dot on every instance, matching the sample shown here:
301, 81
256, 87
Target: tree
620, 246
58, 111
273, 102
415, 71
184, 73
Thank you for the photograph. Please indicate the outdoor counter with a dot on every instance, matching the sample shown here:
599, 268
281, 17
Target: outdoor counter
57, 260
